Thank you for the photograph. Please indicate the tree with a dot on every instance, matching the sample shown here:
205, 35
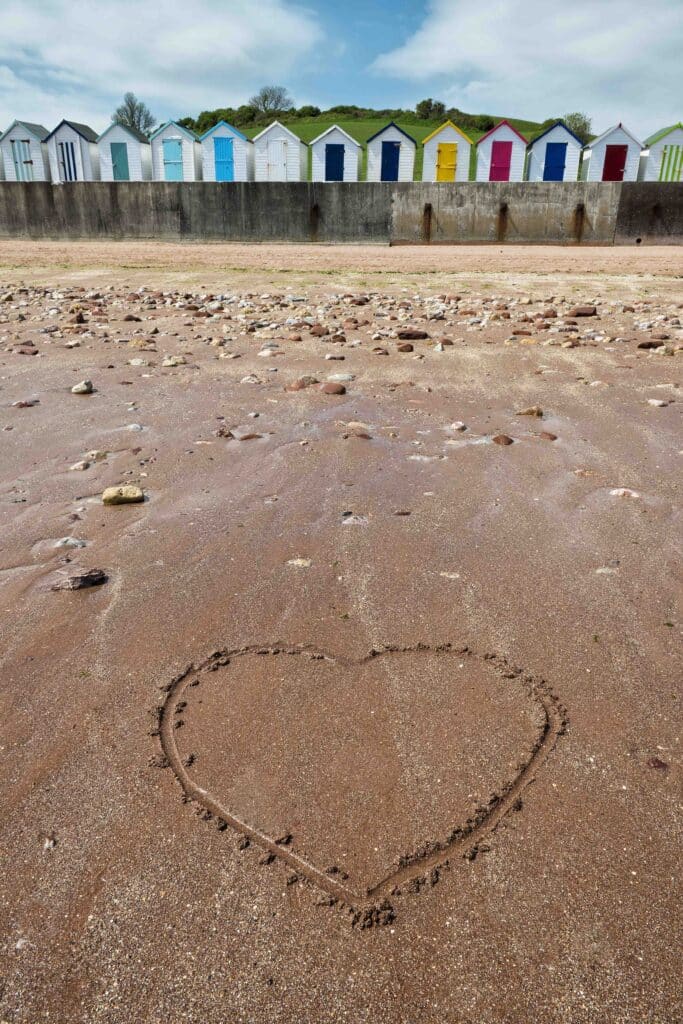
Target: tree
271, 99
133, 113
430, 110
580, 124
308, 111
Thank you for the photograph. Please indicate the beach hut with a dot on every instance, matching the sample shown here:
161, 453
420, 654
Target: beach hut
446, 155
391, 154
23, 151
554, 155
280, 155
335, 156
73, 154
176, 154
227, 154
613, 156
125, 154
662, 159
501, 154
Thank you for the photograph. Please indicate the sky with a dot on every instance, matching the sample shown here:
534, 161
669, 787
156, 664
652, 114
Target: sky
616, 60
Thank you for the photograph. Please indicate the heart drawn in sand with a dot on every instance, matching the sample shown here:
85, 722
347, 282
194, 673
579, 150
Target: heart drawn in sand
363, 777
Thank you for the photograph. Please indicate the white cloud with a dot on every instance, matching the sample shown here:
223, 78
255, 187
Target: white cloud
617, 60
76, 58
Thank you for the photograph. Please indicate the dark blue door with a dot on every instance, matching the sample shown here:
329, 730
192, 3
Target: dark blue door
555, 158
334, 161
390, 155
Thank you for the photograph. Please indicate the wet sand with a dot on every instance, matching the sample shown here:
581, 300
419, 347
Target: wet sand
430, 769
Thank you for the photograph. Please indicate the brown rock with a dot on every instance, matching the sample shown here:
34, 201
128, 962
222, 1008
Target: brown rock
405, 346
333, 389
319, 331
547, 436
502, 439
533, 410
81, 580
300, 383
411, 334
583, 311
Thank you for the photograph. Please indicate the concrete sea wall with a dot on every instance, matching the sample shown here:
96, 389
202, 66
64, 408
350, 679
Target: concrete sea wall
563, 213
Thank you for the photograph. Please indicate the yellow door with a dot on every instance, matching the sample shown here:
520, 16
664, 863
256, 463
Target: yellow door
446, 161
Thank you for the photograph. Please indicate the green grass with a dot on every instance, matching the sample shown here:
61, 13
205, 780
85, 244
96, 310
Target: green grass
361, 129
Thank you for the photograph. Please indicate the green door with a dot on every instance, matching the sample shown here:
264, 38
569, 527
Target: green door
119, 161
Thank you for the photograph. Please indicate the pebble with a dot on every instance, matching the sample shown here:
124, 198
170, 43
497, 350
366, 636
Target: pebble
502, 439
82, 580
85, 387
69, 542
333, 388
124, 494
658, 403
533, 410
546, 435
300, 563
623, 492
174, 361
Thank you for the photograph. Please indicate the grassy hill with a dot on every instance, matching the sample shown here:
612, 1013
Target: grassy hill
362, 128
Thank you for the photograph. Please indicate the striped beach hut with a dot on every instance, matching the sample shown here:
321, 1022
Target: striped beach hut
501, 154
335, 156
176, 154
227, 154
23, 150
125, 154
662, 159
613, 156
391, 154
446, 155
73, 154
554, 155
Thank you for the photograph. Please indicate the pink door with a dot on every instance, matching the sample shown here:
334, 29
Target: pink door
501, 157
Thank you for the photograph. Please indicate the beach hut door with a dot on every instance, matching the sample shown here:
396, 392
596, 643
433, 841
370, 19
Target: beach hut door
277, 160
223, 155
390, 154
67, 161
119, 161
173, 159
555, 159
334, 161
501, 158
446, 161
615, 163
671, 168
21, 154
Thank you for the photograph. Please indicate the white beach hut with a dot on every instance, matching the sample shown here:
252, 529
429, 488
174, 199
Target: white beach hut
662, 160
335, 156
176, 154
554, 155
23, 150
125, 154
391, 154
227, 154
613, 156
446, 154
280, 155
501, 154
73, 154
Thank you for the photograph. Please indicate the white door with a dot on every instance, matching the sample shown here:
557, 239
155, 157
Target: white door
21, 154
277, 160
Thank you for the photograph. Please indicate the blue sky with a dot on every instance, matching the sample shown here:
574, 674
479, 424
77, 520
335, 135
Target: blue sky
614, 59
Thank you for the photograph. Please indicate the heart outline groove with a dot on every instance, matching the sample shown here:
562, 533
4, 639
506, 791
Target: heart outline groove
372, 905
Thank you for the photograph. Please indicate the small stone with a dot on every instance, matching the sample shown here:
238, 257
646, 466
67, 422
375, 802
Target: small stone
533, 410
411, 334
332, 388
502, 439
583, 311
300, 563
83, 388
623, 492
546, 435
174, 361
301, 383
69, 542
125, 494
78, 467
459, 426
81, 580
405, 346
658, 403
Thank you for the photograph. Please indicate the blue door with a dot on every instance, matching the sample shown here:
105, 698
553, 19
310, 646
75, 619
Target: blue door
390, 155
334, 161
223, 159
119, 161
555, 159
173, 159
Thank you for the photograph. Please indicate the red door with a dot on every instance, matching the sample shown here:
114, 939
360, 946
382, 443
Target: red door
501, 157
615, 163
